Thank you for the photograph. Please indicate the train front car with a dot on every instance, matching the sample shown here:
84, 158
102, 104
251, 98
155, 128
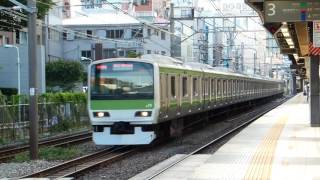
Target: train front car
121, 101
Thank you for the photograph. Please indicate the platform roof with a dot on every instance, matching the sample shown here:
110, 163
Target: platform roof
299, 33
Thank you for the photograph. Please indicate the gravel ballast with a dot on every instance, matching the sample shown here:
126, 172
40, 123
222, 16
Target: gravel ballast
15, 170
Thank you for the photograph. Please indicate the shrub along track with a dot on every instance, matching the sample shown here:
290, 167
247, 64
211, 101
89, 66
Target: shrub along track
77, 167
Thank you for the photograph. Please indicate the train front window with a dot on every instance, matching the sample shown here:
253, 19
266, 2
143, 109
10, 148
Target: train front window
122, 80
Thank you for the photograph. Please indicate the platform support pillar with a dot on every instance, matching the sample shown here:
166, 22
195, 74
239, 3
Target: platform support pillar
294, 84
314, 92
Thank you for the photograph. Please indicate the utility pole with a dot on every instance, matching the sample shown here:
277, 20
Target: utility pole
33, 86
171, 17
241, 59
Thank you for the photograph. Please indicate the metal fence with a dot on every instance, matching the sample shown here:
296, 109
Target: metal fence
54, 118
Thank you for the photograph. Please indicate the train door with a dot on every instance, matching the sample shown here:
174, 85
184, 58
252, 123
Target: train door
195, 93
185, 94
213, 91
205, 92
163, 95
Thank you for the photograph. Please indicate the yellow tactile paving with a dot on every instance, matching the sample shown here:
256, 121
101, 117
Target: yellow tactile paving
261, 163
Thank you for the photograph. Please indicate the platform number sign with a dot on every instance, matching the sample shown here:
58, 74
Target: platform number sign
291, 11
271, 7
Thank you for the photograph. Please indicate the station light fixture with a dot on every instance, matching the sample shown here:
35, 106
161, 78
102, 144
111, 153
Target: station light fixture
296, 56
289, 41
291, 47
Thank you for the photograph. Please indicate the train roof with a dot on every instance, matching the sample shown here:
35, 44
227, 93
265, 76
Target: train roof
169, 62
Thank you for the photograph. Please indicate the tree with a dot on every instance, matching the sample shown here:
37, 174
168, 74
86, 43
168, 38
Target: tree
11, 22
132, 54
64, 74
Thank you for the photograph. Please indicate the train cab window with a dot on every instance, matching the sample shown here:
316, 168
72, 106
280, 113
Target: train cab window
173, 86
184, 87
195, 86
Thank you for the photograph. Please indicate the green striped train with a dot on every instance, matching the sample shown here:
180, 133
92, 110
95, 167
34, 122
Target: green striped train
135, 100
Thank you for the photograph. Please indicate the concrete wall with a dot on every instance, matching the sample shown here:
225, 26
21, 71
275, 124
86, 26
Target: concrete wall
9, 71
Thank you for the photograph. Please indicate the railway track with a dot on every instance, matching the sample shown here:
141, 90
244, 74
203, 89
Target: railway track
251, 116
76, 167
9, 152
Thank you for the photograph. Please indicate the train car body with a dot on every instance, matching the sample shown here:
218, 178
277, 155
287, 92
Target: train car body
131, 98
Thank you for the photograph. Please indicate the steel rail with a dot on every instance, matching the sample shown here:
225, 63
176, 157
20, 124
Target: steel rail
78, 166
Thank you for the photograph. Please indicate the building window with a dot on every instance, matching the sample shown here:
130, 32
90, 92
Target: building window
121, 53
64, 36
89, 33
86, 54
149, 32
156, 32
114, 34
110, 53
163, 36
144, 2
53, 34
136, 33
148, 51
163, 53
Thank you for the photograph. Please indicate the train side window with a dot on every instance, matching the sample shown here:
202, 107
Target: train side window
213, 87
218, 87
224, 87
195, 86
173, 86
184, 87
206, 86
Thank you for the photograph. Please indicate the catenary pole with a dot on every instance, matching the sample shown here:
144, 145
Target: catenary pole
171, 18
33, 87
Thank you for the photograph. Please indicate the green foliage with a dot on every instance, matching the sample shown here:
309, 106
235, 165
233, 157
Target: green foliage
63, 97
50, 153
63, 126
132, 54
63, 74
14, 22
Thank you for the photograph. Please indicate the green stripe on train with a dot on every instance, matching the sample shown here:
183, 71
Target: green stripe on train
121, 104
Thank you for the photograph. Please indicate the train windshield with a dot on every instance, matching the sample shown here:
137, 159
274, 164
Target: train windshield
121, 80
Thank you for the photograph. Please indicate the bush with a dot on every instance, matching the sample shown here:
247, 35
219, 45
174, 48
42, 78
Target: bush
50, 153
63, 74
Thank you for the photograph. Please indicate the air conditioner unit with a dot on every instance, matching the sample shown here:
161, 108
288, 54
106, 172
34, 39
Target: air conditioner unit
70, 36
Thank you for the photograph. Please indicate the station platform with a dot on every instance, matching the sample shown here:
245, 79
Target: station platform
279, 145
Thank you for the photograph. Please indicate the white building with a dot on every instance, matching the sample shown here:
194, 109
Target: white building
100, 32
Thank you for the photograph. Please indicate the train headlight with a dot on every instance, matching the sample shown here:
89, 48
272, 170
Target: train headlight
143, 113
101, 114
